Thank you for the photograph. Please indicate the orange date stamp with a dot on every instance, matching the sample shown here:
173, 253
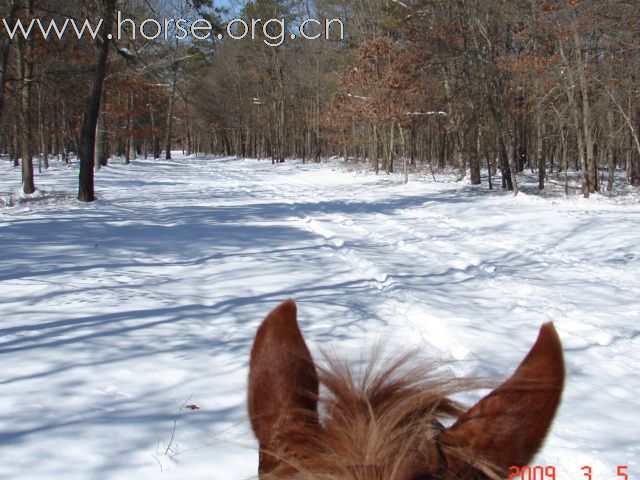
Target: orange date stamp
539, 472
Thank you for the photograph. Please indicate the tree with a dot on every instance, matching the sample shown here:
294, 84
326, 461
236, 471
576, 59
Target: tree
92, 110
5, 45
25, 62
384, 94
550, 86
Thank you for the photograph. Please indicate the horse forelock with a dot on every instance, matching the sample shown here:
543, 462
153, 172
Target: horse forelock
382, 422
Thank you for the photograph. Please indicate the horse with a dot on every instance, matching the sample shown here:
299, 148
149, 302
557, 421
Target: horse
388, 424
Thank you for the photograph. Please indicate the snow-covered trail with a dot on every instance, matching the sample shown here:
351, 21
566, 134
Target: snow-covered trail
119, 314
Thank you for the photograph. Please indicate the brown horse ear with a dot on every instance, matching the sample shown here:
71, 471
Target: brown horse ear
283, 385
507, 427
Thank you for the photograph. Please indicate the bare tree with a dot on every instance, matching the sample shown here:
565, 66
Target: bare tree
88, 132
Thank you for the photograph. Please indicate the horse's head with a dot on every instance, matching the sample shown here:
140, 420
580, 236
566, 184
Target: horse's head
386, 427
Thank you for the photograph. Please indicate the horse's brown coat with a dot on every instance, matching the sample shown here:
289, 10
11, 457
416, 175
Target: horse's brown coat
386, 426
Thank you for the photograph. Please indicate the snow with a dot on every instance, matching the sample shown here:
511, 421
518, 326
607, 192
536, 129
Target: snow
118, 315
440, 112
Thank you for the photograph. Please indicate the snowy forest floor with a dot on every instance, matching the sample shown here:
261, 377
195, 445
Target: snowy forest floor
116, 315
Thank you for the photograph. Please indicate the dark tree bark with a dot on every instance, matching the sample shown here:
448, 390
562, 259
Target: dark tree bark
507, 182
474, 155
172, 95
5, 45
130, 150
15, 144
88, 132
26, 80
101, 147
44, 144
542, 174
155, 137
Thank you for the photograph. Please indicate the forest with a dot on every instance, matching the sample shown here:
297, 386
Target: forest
488, 89
435, 183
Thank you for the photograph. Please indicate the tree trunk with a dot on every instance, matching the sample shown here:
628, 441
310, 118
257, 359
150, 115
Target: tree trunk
5, 45
317, 128
589, 173
488, 159
540, 148
405, 167
101, 139
610, 152
632, 174
513, 170
569, 84
374, 151
505, 169
459, 151
43, 135
155, 137
88, 131
130, 153
391, 150
474, 152
442, 152
168, 132
280, 96
15, 153
26, 80
189, 132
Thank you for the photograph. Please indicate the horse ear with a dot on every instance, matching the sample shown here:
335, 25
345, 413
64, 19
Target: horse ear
283, 385
507, 427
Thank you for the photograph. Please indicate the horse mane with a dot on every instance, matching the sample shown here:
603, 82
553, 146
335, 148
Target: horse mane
374, 420
385, 421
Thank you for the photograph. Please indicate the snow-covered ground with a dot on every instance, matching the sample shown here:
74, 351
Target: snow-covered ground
118, 315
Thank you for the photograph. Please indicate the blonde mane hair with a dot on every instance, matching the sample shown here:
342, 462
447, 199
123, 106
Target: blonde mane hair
385, 424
